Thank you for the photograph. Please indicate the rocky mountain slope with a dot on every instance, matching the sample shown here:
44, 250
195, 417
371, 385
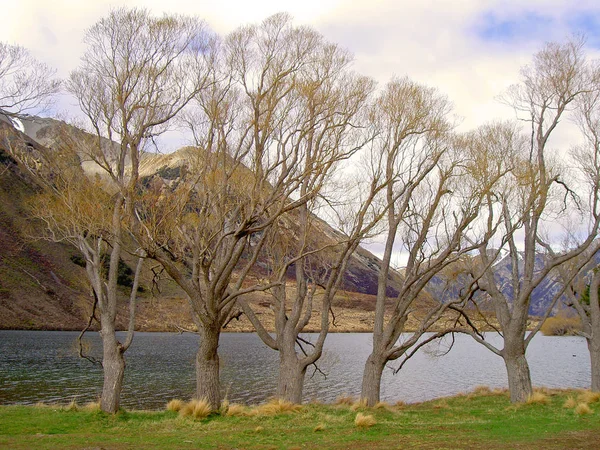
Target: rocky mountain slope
41, 287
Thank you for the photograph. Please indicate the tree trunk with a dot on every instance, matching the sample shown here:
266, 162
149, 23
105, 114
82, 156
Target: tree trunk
208, 386
519, 378
594, 348
291, 377
113, 363
371, 383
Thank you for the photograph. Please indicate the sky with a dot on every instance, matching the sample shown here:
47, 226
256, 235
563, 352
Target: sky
471, 50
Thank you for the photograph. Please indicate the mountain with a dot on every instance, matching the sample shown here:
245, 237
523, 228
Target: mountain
446, 287
42, 285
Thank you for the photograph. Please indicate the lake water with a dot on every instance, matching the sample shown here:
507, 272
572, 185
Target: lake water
43, 366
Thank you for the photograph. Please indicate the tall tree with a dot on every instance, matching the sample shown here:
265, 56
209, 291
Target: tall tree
26, 84
431, 201
536, 195
252, 165
325, 126
137, 74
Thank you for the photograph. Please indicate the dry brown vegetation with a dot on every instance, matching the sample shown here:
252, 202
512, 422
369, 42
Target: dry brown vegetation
561, 326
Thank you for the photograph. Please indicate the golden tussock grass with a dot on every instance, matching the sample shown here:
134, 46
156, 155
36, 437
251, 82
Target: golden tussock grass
537, 398
236, 410
383, 405
276, 406
588, 396
198, 409
481, 390
364, 420
175, 405
570, 403
582, 409
345, 400
360, 404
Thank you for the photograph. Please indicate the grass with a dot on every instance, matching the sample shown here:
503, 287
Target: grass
467, 421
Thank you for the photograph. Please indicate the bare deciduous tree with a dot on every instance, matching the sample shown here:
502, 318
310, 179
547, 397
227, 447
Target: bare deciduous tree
25, 83
537, 194
432, 202
136, 75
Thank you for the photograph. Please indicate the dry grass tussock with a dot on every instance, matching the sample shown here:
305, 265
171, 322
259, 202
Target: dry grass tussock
561, 326
383, 405
276, 406
583, 409
236, 410
570, 403
481, 390
588, 396
197, 409
537, 398
364, 420
175, 405
345, 400
358, 405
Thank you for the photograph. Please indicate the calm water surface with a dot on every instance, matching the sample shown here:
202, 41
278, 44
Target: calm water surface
43, 366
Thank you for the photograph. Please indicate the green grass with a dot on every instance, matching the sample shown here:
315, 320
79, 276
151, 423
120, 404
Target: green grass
467, 421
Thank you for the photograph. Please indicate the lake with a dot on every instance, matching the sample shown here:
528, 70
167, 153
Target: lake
43, 366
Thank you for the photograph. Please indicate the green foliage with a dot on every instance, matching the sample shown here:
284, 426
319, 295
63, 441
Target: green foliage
467, 421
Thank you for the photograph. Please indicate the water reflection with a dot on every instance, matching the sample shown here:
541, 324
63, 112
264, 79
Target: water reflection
43, 366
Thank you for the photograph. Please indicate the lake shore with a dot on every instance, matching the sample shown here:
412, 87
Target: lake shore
482, 419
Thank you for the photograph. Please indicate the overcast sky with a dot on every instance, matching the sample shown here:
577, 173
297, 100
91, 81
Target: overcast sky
469, 49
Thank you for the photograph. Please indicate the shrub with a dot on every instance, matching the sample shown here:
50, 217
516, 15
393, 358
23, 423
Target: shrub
175, 405
364, 421
561, 326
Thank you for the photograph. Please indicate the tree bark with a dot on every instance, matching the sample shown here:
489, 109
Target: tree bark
519, 378
113, 363
292, 372
208, 386
371, 384
594, 348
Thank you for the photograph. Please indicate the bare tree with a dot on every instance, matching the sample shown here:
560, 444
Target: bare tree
136, 75
581, 274
536, 195
323, 128
432, 202
25, 83
261, 153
